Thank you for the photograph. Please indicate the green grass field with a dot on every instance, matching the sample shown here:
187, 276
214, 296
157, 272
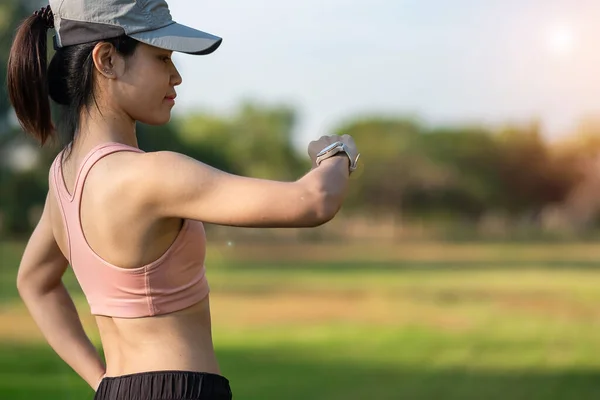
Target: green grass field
416, 321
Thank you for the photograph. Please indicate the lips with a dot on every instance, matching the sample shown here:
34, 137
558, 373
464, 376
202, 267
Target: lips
171, 97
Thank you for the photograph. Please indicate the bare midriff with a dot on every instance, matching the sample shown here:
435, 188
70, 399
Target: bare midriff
180, 341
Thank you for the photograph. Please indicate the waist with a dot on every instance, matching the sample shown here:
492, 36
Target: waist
177, 341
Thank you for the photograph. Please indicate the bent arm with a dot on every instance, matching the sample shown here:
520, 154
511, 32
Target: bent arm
40, 286
174, 185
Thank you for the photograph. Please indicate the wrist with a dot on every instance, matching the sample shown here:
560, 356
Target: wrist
338, 159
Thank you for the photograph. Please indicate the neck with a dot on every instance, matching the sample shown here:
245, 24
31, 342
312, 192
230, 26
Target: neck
108, 126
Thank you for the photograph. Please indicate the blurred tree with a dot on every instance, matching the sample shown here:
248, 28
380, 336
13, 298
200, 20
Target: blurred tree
420, 172
462, 171
392, 162
469, 158
529, 176
168, 137
261, 142
577, 164
20, 193
256, 141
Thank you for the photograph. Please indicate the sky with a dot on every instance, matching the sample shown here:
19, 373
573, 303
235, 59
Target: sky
441, 61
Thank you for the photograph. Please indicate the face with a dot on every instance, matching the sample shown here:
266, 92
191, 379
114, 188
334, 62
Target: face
143, 84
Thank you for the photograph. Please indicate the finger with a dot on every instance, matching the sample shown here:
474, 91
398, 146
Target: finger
347, 139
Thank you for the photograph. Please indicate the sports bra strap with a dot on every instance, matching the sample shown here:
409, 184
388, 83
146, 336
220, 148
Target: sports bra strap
90, 159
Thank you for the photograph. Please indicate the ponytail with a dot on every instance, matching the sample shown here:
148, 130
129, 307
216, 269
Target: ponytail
68, 80
27, 78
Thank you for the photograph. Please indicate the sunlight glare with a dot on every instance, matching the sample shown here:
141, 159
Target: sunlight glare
560, 41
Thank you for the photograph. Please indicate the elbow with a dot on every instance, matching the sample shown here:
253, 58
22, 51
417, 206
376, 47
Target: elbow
27, 287
22, 287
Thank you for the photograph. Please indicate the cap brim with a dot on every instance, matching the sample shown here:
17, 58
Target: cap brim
180, 38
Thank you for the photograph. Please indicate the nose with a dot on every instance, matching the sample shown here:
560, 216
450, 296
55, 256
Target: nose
176, 78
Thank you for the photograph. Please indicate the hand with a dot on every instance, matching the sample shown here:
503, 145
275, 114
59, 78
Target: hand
317, 145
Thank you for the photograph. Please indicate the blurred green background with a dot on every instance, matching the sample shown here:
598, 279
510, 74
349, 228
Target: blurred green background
464, 264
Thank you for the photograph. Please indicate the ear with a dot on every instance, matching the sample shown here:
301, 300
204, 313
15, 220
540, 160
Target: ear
106, 60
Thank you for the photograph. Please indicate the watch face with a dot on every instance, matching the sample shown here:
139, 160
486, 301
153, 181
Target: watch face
329, 148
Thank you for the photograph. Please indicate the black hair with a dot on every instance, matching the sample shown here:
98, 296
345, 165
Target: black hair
68, 81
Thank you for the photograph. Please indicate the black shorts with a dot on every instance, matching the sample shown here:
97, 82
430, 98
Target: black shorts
165, 385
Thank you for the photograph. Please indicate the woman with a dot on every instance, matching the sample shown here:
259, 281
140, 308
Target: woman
127, 221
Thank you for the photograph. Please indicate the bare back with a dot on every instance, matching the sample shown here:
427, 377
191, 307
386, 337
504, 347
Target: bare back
119, 230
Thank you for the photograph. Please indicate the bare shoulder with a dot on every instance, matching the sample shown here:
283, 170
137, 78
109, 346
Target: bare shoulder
115, 174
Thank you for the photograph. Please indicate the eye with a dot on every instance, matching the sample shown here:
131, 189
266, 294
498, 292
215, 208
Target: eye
166, 58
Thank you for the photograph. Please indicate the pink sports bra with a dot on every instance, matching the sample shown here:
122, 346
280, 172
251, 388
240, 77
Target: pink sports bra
173, 282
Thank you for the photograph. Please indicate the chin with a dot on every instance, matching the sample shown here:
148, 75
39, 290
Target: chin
157, 119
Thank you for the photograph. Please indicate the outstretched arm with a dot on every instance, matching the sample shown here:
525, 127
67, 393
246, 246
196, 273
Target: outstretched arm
169, 184
40, 286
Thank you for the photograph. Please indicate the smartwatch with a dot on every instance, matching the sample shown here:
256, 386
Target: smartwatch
334, 149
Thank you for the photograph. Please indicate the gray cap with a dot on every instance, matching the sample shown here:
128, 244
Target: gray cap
149, 21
